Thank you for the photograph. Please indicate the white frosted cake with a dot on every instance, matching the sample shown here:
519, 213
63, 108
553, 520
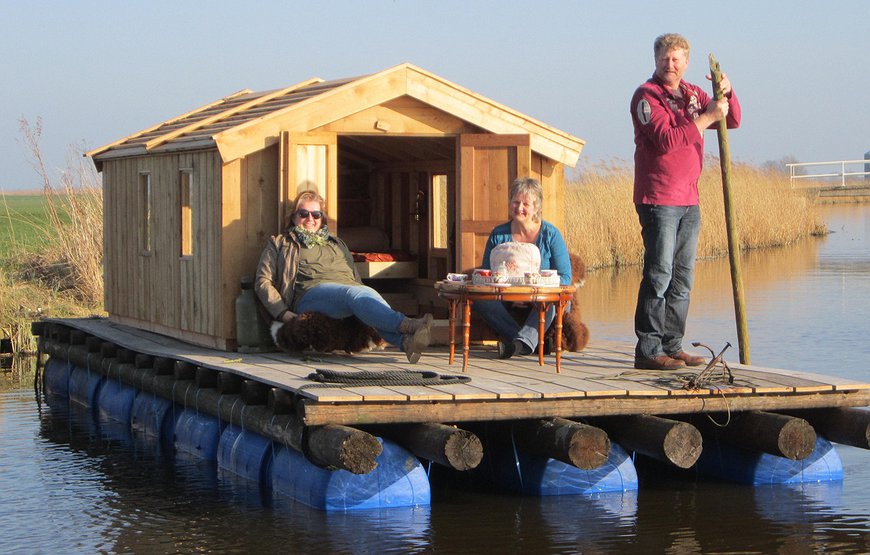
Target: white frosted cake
515, 259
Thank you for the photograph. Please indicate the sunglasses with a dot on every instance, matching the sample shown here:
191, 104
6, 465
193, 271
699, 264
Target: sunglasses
303, 214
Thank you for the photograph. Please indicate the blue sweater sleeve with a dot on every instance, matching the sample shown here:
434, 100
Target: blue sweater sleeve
559, 258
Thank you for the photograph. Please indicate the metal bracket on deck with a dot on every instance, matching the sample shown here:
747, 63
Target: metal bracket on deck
705, 376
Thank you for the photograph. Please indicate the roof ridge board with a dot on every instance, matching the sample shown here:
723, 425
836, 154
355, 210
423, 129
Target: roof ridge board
500, 106
231, 110
228, 98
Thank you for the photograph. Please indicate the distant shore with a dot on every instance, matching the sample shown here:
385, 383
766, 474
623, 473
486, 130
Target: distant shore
19, 192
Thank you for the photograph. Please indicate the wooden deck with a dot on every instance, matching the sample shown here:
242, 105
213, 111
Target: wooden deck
598, 381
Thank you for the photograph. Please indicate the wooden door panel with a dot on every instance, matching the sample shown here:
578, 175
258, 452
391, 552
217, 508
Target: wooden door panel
488, 165
309, 161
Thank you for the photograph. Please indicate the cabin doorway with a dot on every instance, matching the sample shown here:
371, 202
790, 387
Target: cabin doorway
396, 199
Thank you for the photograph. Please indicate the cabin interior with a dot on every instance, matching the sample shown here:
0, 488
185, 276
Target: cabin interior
394, 211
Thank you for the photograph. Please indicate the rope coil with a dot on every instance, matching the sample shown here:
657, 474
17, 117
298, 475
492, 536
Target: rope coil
333, 378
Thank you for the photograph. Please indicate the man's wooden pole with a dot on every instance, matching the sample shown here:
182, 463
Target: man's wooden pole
730, 222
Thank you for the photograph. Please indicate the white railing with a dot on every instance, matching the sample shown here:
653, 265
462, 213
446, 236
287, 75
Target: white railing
842, 174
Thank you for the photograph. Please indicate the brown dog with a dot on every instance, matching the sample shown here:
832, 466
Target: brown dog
313, 331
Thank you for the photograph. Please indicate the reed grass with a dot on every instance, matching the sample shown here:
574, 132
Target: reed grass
602, 225
72, 258
51, 257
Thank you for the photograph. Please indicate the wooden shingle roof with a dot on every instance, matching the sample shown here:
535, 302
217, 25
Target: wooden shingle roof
247, 121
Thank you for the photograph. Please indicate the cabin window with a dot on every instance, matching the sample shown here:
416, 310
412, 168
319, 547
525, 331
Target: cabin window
185, 181
145, 213
439, 211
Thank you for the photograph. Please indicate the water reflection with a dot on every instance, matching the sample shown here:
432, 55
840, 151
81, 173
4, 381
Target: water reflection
139, 498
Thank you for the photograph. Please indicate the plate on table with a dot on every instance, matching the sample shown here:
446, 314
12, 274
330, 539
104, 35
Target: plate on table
449, 284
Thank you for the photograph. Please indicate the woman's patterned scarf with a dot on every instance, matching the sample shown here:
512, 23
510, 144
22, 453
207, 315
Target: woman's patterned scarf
311, 238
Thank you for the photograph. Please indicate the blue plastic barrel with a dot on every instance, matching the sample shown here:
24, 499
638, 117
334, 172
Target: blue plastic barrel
151, 416
83, 386
245, 453
115, 401
197, 434
532, 474
398, 481
727, 462
55, 377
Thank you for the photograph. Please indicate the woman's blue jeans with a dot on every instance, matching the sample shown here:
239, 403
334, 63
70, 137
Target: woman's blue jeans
340, 301
496, 315
670, 242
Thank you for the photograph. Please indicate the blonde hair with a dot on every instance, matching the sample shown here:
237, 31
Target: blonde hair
668, 42
301, 198
532, 189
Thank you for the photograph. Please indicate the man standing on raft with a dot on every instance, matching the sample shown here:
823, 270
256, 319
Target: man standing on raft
669, 117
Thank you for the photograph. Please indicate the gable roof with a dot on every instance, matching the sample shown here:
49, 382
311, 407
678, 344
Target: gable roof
248, 121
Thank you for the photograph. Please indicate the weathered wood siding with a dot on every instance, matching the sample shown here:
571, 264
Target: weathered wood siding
249, 213
161, 287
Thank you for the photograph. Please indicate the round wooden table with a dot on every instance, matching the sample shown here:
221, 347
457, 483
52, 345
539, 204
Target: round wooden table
542, 296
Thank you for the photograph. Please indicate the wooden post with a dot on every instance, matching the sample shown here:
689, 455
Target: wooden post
777, 434
581, 445
842, 425
730, 223
663, 439
442, 444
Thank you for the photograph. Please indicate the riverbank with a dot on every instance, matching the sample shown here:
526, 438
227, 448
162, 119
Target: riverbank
50, 251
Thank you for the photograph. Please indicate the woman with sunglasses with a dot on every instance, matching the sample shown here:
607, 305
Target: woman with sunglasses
306, 269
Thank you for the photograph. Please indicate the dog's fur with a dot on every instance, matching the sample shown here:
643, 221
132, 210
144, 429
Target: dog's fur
313, 331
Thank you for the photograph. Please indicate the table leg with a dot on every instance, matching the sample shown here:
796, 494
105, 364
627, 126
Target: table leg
560, 310
451, 307
542, 329
466, 333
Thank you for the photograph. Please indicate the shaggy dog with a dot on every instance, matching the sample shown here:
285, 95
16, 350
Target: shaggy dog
313, 331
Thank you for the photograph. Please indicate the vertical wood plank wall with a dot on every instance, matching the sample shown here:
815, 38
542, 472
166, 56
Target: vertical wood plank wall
163, 287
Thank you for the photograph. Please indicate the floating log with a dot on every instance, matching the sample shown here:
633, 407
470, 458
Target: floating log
669, 441
281, 401
336, 446
777, 434
442, 444
332, 446
580, 445
254, 392
841, 425
206, 377
229, 382
164, 366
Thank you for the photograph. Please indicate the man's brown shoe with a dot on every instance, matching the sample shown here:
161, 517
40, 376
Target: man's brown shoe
690, 360
662, 362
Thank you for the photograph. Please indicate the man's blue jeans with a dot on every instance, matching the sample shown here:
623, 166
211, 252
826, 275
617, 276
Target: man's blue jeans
670, 242
340, 301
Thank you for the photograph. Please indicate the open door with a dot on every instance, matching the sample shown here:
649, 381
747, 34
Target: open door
309, 161
487, 164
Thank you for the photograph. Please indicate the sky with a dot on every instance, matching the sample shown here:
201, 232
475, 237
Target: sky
96, 71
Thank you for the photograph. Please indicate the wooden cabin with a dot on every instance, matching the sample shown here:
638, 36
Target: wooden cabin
414, 169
